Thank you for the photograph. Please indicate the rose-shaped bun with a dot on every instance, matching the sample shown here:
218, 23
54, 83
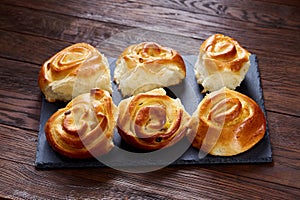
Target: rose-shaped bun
146, 66
222, 62
84, 128
226, 123
74, 70
152, 120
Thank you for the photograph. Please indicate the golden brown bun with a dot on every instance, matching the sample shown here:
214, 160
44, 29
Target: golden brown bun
73, 71
84, 128
152, 120
227, 123
146, 66
222, 62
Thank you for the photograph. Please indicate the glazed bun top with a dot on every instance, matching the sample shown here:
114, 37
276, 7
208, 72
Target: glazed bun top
222, 62
146, 66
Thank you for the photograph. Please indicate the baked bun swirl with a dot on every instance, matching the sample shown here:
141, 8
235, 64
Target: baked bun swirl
152, 120
146, 66
222, 62
84, 128
74, 70
227, 123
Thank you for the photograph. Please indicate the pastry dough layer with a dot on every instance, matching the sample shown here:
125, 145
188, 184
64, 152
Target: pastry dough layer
222, 62
84, 128
146, 66
73, 71
227, 123
152, 120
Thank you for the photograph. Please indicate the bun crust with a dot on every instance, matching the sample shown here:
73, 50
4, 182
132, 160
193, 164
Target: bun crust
73, 71
152, 120
227, 123
146, 66
84, 128
222, 62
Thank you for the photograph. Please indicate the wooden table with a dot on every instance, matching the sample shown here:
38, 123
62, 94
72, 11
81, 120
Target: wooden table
31, 31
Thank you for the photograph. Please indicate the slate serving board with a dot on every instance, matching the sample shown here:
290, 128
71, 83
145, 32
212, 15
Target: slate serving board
189, 93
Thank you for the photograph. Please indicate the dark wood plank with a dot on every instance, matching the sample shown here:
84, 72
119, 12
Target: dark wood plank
284, 131
27, 48
67, 28
18, 145
20, 96
183, 23
278, 15
24, 181
279, 69
56, 26
281, 98
19, 76
20, 110
280, 2
109, 37
284, 160
257, 12
108, 183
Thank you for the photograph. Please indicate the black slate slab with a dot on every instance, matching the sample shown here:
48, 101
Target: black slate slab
124, 155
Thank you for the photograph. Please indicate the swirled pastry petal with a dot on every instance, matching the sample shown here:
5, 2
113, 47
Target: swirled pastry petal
227, 123
84, 128
152, 120
146, 66
72, 71
222, 62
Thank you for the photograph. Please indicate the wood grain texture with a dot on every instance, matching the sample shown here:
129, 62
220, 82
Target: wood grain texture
256, 12
279, 2
164, 19
19, 110
32, 31
56, 26
166, 183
